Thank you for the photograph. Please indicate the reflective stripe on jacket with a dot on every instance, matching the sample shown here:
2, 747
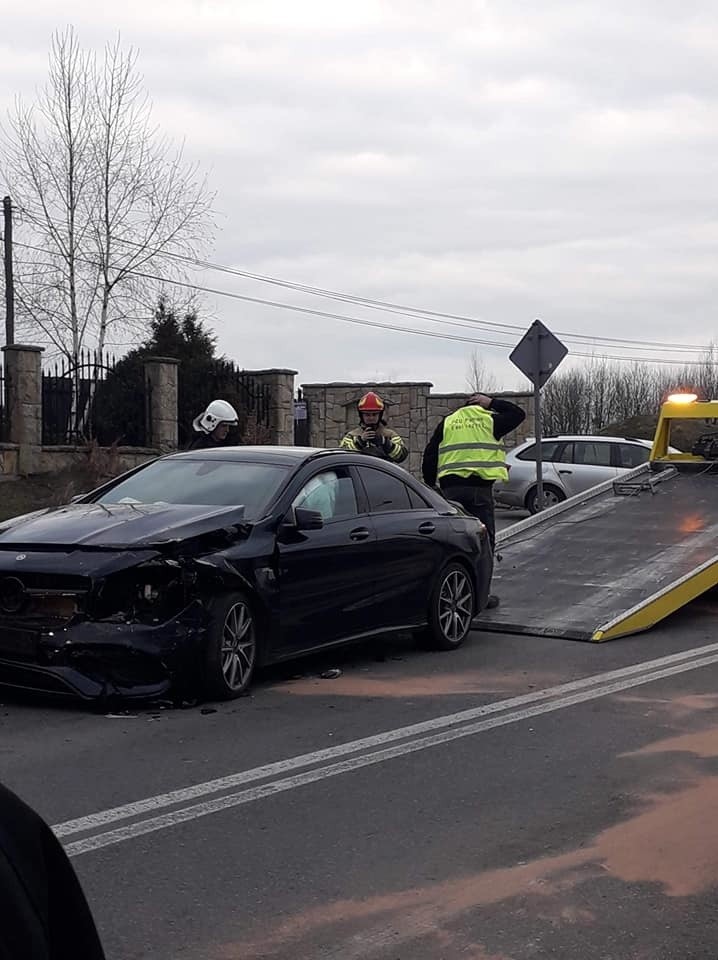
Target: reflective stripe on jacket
469, 447
390, 446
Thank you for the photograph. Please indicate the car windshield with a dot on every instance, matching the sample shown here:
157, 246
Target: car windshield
221, 483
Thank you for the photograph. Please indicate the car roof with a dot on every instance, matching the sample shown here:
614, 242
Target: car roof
298, 456
590, 438
287, 456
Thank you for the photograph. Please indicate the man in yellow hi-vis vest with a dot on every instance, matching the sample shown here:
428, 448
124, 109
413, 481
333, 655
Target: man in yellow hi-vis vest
466, 456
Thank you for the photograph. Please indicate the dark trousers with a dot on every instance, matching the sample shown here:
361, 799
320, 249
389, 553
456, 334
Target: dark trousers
478, 500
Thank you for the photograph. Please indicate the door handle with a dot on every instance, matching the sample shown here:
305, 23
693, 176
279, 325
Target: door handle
361, 533
427, 527
565, 471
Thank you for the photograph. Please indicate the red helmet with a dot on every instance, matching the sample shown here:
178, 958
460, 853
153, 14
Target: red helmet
371, 403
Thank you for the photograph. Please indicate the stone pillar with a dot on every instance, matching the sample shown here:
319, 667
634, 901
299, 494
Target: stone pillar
23, 385
281, 404
315, 396
161, 375
421, 426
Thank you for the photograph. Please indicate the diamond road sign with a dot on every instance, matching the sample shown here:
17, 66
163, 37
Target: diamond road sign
538, 353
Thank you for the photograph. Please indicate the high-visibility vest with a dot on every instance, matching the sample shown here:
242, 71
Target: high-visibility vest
469, 448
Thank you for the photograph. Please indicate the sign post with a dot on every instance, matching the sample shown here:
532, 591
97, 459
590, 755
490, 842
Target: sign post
537, 355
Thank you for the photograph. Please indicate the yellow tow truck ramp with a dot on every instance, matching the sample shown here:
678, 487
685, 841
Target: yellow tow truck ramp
620, 557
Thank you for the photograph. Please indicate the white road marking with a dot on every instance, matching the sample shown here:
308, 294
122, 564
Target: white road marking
194, 811
133, 809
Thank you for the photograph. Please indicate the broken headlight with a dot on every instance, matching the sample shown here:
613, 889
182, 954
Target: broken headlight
150, 593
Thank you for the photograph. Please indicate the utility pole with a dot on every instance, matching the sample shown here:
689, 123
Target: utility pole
9, 281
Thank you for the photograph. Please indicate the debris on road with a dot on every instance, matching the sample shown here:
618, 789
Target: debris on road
331, 674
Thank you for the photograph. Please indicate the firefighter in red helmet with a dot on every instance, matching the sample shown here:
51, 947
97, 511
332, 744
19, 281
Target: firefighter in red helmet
372, 436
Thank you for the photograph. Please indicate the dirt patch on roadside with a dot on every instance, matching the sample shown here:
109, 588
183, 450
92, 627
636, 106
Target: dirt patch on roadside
677, 708
668, 843
404, 688
702, 743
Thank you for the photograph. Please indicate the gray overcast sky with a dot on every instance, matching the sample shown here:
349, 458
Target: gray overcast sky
501, 159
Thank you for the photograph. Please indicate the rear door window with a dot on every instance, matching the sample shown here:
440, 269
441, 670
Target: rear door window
417, 502
385, 493
548, 451
591, 453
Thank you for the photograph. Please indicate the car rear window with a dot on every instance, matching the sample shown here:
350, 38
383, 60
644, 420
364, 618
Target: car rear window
632, 454
221, 483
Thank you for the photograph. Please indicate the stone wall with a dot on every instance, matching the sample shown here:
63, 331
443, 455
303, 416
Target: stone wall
411, 409
25, 454
118, 459
331, 408
8, 459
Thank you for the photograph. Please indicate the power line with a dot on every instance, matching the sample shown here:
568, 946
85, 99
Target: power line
458, 320
287, 306
367, 323
417, 312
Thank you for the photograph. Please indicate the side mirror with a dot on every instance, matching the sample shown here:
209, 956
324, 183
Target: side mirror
308, 519
297, 520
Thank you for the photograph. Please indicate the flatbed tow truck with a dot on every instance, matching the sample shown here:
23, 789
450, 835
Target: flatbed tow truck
620, 557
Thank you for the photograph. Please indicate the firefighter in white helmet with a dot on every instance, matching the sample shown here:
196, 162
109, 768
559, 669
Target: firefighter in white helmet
212, 427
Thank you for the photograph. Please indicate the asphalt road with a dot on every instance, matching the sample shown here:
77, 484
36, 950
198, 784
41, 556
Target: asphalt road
518, 798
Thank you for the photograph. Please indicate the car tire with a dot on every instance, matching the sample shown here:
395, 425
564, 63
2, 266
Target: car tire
552, 496
451, 609
232, 648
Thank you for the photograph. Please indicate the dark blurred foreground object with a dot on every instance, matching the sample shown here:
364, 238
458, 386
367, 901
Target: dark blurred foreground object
43, 911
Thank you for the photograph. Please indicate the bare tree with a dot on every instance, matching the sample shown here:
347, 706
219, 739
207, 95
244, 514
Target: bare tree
104, 199
588, 398
479, 379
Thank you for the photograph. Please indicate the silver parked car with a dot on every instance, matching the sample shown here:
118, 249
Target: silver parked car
571, 464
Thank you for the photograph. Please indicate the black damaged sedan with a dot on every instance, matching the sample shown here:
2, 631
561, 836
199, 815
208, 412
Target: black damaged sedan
182, 576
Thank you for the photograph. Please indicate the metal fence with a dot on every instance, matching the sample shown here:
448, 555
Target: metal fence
4, 413
95, 398
222, 380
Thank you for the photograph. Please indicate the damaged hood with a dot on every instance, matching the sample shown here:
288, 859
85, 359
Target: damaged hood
116, 525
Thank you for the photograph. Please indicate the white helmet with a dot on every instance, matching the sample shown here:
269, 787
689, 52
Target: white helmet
219, 411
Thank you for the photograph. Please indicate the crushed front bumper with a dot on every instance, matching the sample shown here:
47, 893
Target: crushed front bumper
99, 659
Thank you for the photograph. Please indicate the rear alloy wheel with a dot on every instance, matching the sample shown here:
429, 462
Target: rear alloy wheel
231, 647
551, 496
452, 608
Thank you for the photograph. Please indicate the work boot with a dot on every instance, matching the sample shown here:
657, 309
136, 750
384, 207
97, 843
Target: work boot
492, 602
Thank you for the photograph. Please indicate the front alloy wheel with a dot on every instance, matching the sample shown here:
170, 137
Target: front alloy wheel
239, 649
453, 607
232, 646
